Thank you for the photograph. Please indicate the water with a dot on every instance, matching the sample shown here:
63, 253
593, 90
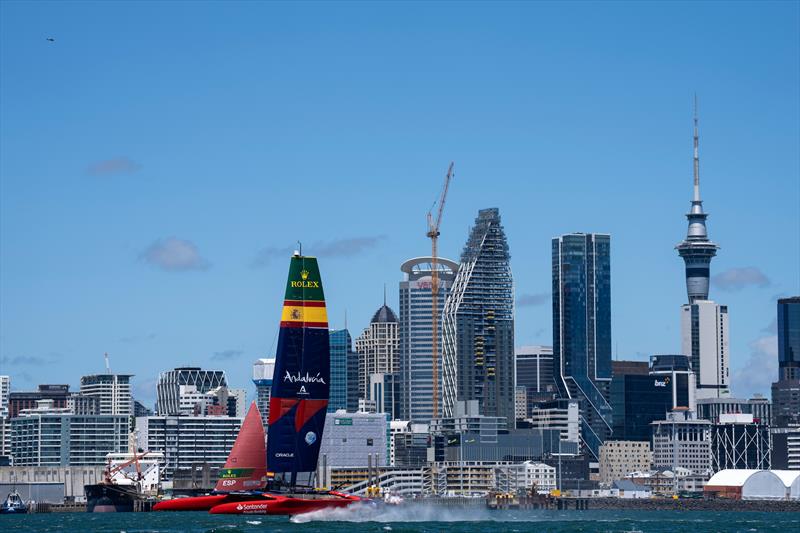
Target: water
411, 519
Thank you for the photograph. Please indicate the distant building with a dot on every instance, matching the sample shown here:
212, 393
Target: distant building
353, 395
341, 347
139, 409
620, 458
411, 446
5, 390
786, 402
705, 338
682, 441
785, 448
53, 436
180, 389
739, 442
638, 400
676, 372
188, 441
385, 394
478, 324
113, 392
526, 476
355, 439
789, 338
378, 347
263, 370
534, 367
713, 408
17, 401
582, 330
416, 337
82, 404
562, 415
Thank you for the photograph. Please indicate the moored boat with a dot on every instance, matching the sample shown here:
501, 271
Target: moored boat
13, 504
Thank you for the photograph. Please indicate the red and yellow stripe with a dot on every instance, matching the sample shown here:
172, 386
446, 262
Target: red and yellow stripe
304, 314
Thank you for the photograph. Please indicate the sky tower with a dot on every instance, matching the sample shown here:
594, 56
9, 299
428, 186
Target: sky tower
697, 250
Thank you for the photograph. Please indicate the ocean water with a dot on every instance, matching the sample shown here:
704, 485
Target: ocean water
411, 519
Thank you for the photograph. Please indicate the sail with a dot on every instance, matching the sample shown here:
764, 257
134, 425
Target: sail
246, 467
300, 386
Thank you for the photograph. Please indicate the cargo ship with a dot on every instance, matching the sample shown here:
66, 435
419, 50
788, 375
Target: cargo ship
123, 483
259, 481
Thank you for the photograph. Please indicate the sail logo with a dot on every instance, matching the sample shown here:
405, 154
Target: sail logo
311, 438
664, 383
304, 284
285, 454
299, 378
304, 274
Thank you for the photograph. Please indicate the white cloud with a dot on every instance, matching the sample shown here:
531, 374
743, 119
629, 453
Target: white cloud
735, 279
760, 369
174, 255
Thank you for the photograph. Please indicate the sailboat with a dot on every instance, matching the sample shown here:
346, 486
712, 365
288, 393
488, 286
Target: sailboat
271, 482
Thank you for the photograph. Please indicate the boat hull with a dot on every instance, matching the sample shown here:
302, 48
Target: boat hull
110, 498
280, 504
196, 503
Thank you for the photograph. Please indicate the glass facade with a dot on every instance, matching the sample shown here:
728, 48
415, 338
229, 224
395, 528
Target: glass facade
341, 346
789, 337
582, 329
639, 400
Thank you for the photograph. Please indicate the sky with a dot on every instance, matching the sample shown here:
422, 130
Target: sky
159, 161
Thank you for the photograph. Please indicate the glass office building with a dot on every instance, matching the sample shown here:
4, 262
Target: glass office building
789, 337
341, 346
582, 329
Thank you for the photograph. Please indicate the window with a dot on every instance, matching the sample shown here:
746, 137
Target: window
369, 442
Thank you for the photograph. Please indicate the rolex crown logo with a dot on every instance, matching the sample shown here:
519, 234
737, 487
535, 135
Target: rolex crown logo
304, 274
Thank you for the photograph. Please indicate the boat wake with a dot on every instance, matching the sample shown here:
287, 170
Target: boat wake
410, 512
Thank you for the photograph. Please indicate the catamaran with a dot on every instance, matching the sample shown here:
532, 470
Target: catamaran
255, 482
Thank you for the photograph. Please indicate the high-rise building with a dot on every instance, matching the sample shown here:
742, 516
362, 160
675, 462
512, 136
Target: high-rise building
789, 338
704, 323
341, 347
416, 346
384, 394
620, 458
582, 329
263, 369
5, 390
478, 324
113, 392
184, 386
19, 400
352, 381
535, 373
378, 348
704, 337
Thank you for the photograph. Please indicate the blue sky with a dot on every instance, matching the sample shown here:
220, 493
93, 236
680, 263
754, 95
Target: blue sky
157, 161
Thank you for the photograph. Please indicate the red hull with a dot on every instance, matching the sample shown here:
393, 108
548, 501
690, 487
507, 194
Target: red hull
197, 503
277, 504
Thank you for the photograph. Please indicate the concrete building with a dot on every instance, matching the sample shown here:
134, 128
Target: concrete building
416, 335
682, 441
19, 400
740, 442
785, 448
478, 324
714, 408
620, 458
81, 404
355, 439
520, 403
33, 482
528, 476
561, 415
5, 390
378, 347
705, 338
5, 441
582, 330
113, 392
403, 482
177, 389
51, 436
188, 441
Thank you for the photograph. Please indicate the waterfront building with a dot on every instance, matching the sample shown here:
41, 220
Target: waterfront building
5, 441
411, 446
582, 330
416, 337
528, 476
713, 408
478, 324
789, 338
619, 458
562, 415
53, 436
682, 441
188, 441
534, 368
51, 484
785, 448
180, 389
355, 439
397, 481
341, 346
19, 400
738, 441
377, 348
113, 392
637, 400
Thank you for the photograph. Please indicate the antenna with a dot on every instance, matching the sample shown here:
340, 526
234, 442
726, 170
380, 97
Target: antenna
300, 248
696, 160
384, 294
108, 368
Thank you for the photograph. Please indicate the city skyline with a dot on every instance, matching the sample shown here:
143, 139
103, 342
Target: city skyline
157, 224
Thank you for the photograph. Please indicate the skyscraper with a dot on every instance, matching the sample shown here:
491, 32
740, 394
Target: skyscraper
582, 329
478, 324
704, 323
341, 346
113, 392
416, 360
378, 347
176, 388
789, 338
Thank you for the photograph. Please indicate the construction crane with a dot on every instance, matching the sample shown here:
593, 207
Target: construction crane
433, 234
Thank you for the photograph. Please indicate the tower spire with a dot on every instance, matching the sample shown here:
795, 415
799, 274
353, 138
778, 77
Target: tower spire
696, 157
